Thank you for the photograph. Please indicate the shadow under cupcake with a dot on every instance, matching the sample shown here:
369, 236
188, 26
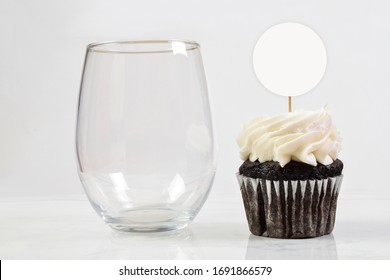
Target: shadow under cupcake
286, 198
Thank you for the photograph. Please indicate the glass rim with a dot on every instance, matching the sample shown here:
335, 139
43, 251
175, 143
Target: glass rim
98, 46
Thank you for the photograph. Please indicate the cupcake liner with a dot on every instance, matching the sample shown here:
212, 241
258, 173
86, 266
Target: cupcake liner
290, 209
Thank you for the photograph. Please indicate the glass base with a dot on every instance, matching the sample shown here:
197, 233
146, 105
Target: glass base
149, 220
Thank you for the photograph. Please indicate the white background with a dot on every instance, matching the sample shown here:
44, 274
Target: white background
43, 211
42, 47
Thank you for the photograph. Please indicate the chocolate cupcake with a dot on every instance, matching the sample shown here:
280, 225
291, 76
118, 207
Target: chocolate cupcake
291, 176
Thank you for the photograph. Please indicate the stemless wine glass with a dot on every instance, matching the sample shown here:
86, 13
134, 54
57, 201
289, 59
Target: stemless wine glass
144, 140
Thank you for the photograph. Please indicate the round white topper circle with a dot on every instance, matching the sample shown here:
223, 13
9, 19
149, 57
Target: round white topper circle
289, 59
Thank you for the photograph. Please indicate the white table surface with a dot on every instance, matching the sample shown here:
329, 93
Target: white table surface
68, 228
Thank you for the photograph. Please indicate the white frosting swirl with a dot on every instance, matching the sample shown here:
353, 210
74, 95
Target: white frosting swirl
305, 136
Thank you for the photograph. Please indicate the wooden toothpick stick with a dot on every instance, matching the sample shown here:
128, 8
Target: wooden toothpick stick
289, 104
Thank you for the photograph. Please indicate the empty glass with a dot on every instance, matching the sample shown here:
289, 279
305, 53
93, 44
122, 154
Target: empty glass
145, 143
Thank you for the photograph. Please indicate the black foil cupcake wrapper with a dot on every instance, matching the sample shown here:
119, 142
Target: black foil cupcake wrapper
290, 209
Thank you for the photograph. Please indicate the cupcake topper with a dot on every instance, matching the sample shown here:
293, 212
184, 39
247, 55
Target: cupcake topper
289, 59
